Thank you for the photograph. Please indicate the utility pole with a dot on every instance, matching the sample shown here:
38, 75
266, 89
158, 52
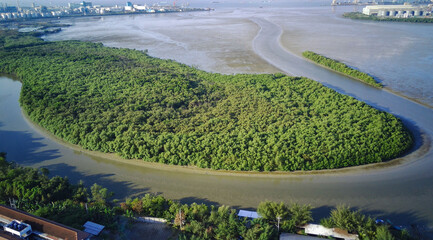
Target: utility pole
278, 218
180, 218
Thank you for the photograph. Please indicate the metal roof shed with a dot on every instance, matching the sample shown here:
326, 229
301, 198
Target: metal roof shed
248, 214
93, 228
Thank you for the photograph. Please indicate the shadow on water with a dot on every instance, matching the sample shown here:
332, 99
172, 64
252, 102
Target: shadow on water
25, 149
122, 189
205, 201
394, 217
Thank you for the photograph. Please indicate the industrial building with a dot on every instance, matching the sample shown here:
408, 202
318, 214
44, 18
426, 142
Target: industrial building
402, 11
17, 224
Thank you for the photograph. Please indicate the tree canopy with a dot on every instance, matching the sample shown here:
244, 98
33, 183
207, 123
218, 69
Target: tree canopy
341, 68
55, 198
126, 102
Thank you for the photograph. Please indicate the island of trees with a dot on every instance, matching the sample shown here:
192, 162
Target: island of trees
341, 68
57, 199
360, 16
126, 102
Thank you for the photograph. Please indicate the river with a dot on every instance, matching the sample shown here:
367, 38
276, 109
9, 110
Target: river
212, 41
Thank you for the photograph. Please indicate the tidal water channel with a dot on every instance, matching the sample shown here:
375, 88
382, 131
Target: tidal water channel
402, 191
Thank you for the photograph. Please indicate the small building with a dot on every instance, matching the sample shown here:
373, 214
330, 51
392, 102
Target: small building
93, 228
86, 4
248, 214
43, 228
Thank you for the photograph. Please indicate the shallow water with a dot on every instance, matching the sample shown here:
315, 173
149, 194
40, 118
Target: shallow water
222, 41
403, 194
397, 54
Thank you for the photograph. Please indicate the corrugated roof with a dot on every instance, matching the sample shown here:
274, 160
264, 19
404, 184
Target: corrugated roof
93, 228
248, 214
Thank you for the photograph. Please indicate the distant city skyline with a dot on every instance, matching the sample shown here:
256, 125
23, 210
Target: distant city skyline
28, 3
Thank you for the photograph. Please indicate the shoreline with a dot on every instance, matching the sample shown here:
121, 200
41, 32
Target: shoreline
384, 88
408, 158
401, 192
415, 152
336, 71
51, 18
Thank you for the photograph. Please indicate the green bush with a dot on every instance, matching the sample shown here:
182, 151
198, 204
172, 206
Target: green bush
352, 221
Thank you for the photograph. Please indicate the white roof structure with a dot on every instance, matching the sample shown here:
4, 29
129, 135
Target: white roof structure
319, 230
93, 228
375, 9
248, 214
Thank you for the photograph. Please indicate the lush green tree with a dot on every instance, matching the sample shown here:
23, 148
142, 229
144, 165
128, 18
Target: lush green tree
341, 67
352, 221
261, 230
53, 198
56, 199
100, 195
300, 214
272, 211
383, 233
126, 102
287, 217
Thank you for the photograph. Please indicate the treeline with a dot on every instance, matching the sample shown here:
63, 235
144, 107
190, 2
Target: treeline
54, 198
360, 16
57, 199
199, 221
341, 67
123, 101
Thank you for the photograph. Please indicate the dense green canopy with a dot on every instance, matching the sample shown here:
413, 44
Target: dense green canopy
123, 101
341, 68
360, 16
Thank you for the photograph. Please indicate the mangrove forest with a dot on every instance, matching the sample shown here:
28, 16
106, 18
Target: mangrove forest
341, 68
126, 102
360, 16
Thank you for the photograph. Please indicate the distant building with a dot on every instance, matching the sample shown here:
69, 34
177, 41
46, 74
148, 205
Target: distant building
248, 214
11, 9
406, 10
74, 5
16, 223
86, 4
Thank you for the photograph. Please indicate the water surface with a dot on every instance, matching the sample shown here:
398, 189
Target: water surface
229, 41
